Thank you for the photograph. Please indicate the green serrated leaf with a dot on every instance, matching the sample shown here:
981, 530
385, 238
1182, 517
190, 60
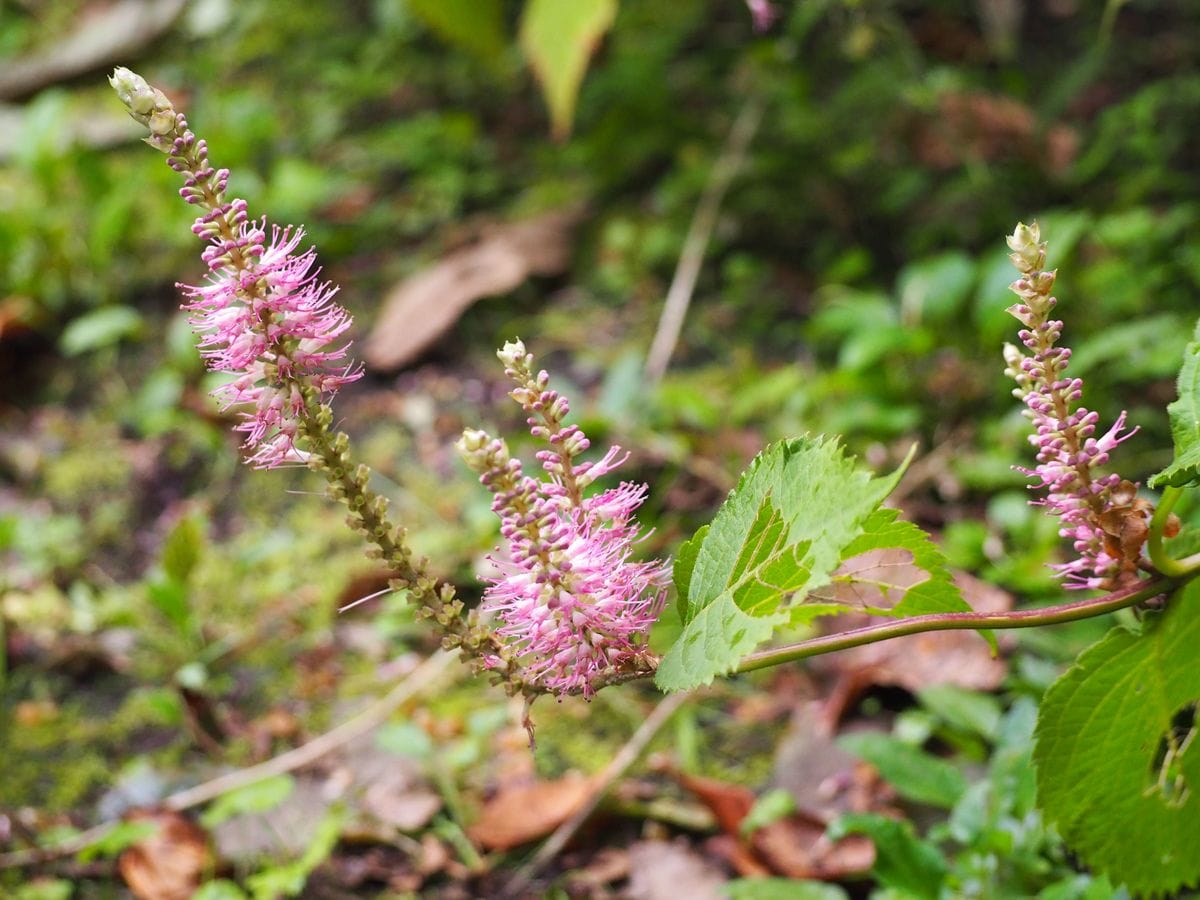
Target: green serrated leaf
936, 594
713, 643
799, 495
779, 535
681, 572
1118, 765
254, 798
1185, 423
558, 38
903, 861
915, 774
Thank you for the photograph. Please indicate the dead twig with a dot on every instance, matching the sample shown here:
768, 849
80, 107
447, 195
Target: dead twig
628, 754
704, 220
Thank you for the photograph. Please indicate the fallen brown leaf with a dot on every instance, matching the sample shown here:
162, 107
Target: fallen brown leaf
520, 814
399, 803
729, 803
737, 855
168, 864
423, 307
794, 846
605, 866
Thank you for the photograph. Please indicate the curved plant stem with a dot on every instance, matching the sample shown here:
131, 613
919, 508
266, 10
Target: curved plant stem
1154, 545
1023, 618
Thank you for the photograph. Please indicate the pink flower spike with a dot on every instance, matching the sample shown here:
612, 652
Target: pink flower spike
269, 321
568, 594
1100, 514
262, 316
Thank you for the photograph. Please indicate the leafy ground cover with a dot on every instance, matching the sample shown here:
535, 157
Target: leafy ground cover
170, 617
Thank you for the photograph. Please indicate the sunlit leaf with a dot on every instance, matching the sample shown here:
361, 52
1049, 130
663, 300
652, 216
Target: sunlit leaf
1185, 423
100, 328
558, 38
779, 536
782, 889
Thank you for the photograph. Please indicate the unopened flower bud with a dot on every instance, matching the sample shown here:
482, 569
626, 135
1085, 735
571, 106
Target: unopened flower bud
147, 105
1029, 253
512, 354
480, 452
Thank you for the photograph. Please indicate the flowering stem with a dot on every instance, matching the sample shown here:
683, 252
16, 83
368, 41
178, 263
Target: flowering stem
1154, 544
264, 318
347, 483
1022, 618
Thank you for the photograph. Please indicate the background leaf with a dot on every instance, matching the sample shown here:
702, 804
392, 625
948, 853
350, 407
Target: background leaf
936, 288
117, 838
903, 861
1128, 810
254, 798
915, 774
770, 807
182, 549
475, 25
558, 38
1185, 423
100, 328
782, 889
938, 593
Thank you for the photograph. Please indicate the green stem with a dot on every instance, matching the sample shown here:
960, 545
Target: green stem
368, 516
1023, 618
1154, 545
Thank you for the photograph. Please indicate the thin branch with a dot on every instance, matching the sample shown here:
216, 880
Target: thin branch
704, 220
370, 718
965, 621
306, 754
626, 757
